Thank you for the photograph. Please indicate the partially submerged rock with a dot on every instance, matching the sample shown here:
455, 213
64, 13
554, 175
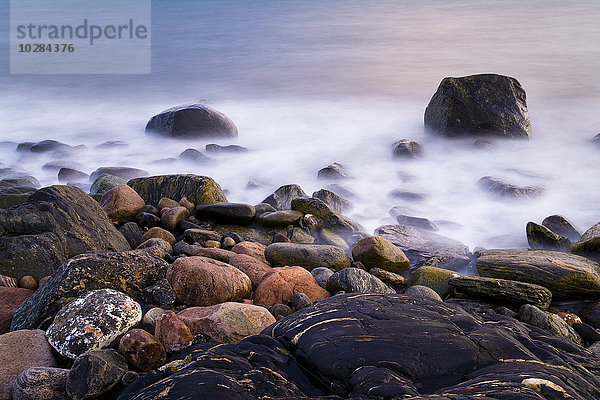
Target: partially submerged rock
486, 105
589, 244
542, 238
503, 189
192, 121
282, 198
426, 248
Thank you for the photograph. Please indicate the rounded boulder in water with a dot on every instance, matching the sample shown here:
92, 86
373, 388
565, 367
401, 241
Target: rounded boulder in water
192, 121
93, 321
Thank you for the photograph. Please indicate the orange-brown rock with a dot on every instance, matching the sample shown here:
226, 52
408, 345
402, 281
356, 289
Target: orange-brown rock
201, 281
122, 203
280, 285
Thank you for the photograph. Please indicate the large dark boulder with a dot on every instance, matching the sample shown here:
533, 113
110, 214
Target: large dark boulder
53, 225
192, 121
353, 343
129, 272
426, 248
374, 346
198, 189
255, 368
486, 105
567, 276
282, 198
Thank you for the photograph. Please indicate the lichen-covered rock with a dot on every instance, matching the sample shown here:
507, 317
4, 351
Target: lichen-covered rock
486, 104
198, 189
201, 281
562, 226
41, 383
172, 332
53, 225
567, 276
142, 350
426, 248
502, 291
226, 213
437, 279
122, 203
227, 322
128, 272
95, 373
282, 198
192, 121
589, 244
19, 351
542, 238
93, 321
280, 285
532, 315
308, 256
354, 280
502, 189
378, 252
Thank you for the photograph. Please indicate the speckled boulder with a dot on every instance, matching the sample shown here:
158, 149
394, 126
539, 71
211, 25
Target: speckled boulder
280, 285
93, 321
201, 281
254, 268
252, 249
354, 280
129, 272
172, 332
227, 322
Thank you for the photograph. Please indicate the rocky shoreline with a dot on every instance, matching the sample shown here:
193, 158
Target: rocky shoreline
158, 287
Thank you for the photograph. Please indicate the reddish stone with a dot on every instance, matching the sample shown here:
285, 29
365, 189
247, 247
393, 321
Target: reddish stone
227, 322
172, 332
158, 233
253, 267
280, 285
201, 281
142, 350
122, 203
156, 247
252, 249
10, 297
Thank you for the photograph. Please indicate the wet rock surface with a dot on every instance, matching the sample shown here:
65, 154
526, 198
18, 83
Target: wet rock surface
486, 104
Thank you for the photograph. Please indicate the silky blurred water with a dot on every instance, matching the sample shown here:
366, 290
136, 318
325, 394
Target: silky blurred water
314, 82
